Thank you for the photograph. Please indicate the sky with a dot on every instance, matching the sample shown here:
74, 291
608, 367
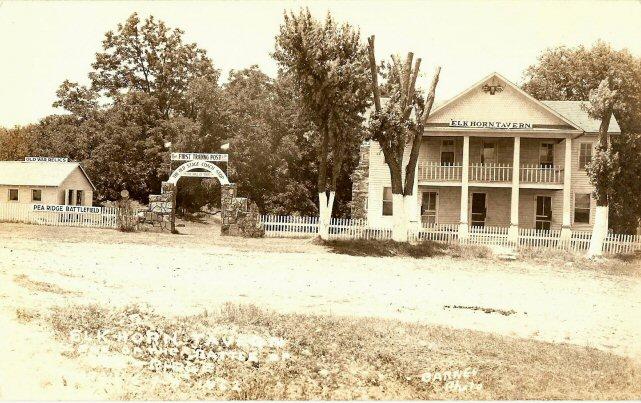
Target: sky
44, 43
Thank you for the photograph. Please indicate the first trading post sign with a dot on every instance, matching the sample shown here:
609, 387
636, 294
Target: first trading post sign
199, 157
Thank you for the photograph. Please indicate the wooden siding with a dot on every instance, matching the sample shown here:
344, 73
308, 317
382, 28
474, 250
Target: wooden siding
506, 106
77, 181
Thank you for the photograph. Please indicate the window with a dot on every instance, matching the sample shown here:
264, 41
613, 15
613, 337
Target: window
387, 201
79, 195
70, 197
488, 154
582, 208
447, 152
13, 194
429, 204
36, 195
543, 212
546, 155
585, 155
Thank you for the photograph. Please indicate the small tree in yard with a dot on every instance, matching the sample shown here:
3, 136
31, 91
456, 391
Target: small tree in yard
329, 66
604, 168
394, 127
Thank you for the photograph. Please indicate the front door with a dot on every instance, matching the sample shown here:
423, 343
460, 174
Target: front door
429, 205
479, 209
543, 212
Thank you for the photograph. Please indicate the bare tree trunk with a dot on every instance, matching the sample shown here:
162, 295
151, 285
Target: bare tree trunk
325, 203
600, 227
403, 198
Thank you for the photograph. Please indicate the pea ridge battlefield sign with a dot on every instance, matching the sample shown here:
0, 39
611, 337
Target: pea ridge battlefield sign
59, 208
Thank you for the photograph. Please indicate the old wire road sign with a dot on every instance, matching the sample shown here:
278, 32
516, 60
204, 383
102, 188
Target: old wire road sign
198, 157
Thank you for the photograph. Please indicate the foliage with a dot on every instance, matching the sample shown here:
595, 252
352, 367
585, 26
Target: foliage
328, 64
609, 79
150, 57
570, 74
148, 88
269, 147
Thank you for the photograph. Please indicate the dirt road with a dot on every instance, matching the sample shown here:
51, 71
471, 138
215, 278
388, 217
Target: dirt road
190, 273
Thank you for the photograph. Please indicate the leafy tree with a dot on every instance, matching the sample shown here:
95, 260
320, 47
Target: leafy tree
150, 57
329, 67
604, 76
159, 89
569, 74
395, 129
272, 162
15, 143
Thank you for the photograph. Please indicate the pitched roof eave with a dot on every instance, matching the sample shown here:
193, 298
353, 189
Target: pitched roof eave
517, 89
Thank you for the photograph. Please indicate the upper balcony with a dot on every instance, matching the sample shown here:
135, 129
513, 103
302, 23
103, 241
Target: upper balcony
490, 173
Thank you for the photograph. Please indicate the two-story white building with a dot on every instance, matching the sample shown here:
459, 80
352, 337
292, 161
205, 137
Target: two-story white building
493, 156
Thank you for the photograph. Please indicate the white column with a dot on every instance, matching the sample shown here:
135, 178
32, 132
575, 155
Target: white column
566, 231
66, 192
463, 225
513, 231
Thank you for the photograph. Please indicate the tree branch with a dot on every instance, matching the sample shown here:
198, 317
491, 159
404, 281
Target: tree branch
374, 72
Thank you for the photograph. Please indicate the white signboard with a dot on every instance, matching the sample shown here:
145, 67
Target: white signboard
46, 159
58, 208
200, 174
479, 124
198, 157
186, 170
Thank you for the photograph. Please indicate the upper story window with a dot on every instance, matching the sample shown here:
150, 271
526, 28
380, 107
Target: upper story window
447, 152
546, 155
585, 155
13, 194
387, 201
36, 195
488, 153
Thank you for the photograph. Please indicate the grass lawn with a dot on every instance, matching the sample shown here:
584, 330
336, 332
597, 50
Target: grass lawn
243, 352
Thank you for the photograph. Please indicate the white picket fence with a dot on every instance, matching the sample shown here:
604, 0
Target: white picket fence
305, 227
24, 213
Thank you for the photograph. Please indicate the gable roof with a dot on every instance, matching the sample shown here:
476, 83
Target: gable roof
572, 113
16, 173
575, 111
514, 87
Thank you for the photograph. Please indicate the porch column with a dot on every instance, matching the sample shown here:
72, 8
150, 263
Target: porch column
513, 231
566, 231
463, 225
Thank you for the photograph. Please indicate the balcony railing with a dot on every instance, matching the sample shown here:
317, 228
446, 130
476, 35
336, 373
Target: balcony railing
537, 174
431, 171
528, 173
490, 173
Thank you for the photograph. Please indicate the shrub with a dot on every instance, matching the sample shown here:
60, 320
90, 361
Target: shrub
377, 248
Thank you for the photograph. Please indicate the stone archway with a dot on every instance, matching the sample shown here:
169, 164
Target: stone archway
238, 215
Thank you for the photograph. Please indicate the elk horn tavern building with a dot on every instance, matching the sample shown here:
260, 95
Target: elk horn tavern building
492, 156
